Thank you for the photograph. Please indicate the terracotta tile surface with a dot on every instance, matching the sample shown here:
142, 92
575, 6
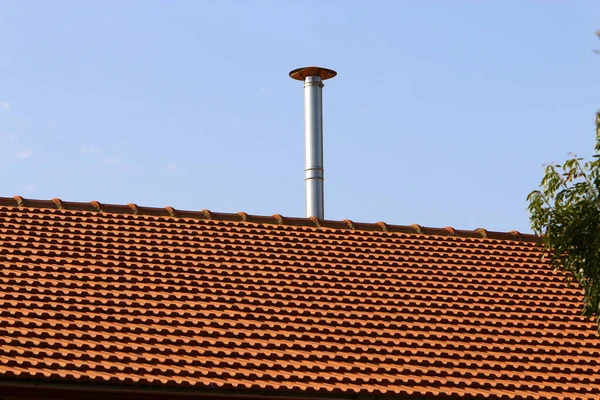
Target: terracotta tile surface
135, 297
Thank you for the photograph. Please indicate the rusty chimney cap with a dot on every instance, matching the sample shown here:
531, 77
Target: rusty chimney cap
301, 73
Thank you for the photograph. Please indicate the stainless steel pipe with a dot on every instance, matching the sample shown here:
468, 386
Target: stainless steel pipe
313, 127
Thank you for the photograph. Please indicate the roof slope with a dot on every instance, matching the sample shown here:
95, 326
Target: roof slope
98, 294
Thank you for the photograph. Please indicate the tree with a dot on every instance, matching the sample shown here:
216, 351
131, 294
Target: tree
565, 212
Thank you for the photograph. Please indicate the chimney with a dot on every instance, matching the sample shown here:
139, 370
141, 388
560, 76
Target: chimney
313, 78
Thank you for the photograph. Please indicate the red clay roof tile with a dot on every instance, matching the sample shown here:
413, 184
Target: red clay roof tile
141, 297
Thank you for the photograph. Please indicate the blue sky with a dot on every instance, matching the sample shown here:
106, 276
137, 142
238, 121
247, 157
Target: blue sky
442, 112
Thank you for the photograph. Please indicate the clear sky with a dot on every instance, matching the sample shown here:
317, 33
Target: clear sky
442, 112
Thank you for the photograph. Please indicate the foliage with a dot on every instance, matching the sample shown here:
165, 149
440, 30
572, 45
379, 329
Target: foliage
566, 213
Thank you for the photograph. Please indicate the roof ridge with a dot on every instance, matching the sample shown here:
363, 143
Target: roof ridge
276, 219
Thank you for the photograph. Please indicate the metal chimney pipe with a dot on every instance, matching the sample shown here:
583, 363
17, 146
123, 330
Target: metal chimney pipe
313, 78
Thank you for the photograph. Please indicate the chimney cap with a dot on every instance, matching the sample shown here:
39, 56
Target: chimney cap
301, 73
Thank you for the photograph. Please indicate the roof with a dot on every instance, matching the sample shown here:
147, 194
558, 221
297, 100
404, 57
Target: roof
140, 298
